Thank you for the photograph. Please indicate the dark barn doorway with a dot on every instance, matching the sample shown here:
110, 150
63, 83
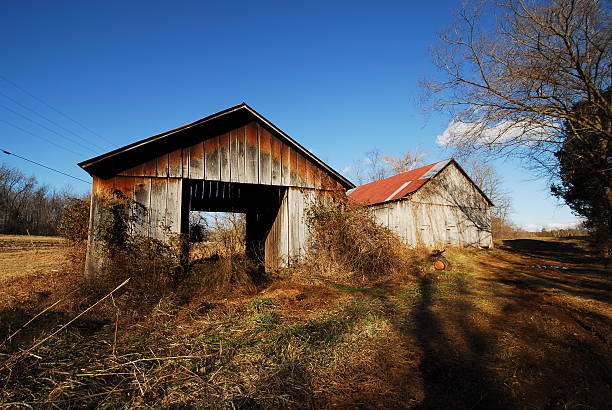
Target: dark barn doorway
260, 204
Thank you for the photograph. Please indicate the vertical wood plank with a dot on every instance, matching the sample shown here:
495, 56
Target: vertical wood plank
251, 154
302, 171
299, 223
317, 176
159, 192
309, 174
138, 170
162, 166
125, 185
283, 229
294, 161
196, 161
224, 157
142, 197
241, 152
211, 163
150, 168
307, 203
173, 205
285, 164
265, 156
185, 155
276, 161
234, 155
175, 164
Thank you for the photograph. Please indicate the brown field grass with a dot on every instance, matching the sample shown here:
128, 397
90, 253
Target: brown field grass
22, 255
525, 325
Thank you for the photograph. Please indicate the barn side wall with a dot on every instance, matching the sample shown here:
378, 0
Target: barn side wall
288, 239
448, 210
156, 209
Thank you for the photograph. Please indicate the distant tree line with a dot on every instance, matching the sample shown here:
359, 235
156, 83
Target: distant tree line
26, 206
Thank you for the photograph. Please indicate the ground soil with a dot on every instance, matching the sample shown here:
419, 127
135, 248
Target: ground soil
526, 325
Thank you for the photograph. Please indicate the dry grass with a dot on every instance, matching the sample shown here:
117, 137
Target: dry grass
495, 332
22, 255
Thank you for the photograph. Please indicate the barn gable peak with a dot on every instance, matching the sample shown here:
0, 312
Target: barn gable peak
400, 186
139, 152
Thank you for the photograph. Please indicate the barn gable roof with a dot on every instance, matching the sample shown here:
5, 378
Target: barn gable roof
115, 161
401, 185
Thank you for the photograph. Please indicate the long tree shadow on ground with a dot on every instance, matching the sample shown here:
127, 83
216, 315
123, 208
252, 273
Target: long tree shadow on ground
454, 374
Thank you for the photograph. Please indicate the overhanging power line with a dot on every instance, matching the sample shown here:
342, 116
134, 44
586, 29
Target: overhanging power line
44, 166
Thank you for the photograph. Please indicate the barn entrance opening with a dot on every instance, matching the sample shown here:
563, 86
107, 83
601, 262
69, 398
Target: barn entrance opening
245, 211
217, 234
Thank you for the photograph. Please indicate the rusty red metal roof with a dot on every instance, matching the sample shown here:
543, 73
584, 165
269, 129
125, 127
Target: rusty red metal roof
397, 186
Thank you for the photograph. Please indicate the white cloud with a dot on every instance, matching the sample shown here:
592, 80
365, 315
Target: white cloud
480, 134
537, 226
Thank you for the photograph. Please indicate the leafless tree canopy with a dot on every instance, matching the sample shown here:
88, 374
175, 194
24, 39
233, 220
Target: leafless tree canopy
489, 181
511, 73
26, 206
377, 165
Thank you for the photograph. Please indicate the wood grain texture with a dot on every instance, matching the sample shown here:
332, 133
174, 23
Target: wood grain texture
276, 159
251, 154
196, 161
224, 157
285, 164
265, 153
294, 164
162, 166
150, 168
212, 161
159, 193
173, 205
302, 172
175, 164
185, 162
142, 197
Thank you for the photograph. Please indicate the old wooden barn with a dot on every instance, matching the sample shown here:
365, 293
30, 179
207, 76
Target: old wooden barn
433, 206
231, 161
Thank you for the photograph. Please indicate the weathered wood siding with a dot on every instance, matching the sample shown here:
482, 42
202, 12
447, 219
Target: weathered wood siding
249, 154
156, 213
288, 239
448, 210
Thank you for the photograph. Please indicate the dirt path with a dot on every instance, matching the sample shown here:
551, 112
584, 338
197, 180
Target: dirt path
556, 320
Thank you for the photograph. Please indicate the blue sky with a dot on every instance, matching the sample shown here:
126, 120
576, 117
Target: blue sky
339, 77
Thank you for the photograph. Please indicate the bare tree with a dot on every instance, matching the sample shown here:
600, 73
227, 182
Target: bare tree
26, 206
511, 73
489, 181
372, 168
407, 162
376, 165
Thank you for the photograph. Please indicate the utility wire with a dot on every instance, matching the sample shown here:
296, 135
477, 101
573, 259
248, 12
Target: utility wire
47, 128
50, 120
80, 154
56, 110
44, 166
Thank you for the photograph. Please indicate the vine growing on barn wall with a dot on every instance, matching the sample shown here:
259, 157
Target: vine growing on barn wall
127, 253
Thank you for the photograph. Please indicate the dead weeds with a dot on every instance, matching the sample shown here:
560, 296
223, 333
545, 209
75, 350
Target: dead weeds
494, 332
